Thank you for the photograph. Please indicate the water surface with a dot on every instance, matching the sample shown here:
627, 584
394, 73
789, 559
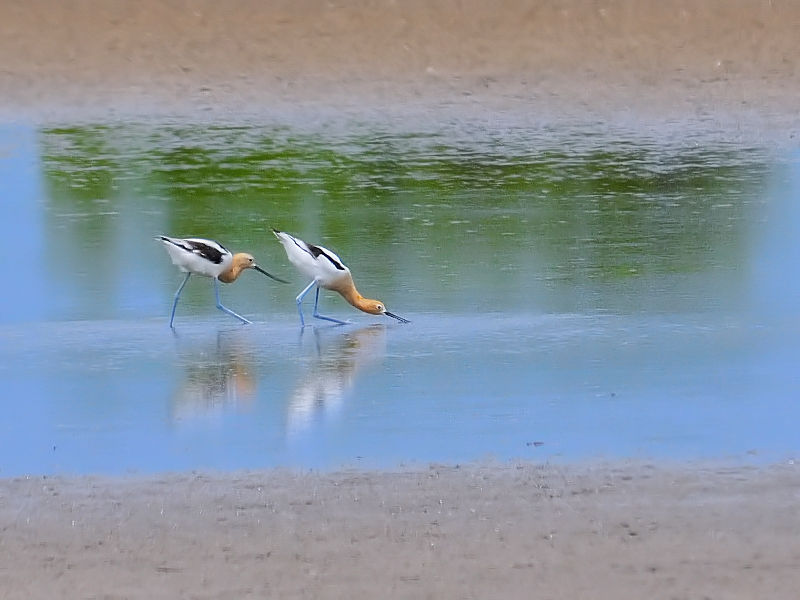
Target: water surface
573, 294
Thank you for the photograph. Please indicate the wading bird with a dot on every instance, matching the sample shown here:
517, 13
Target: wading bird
327, 270
209, 259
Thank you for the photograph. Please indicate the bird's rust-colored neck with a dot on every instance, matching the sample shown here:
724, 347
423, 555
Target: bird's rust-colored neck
230, 275
354, 298
351, 294
347, 289
239, 263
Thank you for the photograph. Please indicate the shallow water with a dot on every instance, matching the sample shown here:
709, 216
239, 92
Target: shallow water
573, 294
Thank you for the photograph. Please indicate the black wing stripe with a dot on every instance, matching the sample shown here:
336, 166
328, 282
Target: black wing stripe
182, 244
316, 251
300, 244
210, 253
207, 252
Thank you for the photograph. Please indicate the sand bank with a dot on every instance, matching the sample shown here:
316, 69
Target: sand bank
732, 61
497, 531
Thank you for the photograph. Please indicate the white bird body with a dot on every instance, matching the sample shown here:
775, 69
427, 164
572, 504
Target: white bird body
198, 255
316, 262
326, 270
208, 258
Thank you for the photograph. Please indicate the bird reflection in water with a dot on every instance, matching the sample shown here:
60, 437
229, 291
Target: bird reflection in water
217, 377
332, 373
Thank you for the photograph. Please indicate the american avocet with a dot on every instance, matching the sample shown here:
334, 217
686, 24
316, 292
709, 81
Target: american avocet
210, 259
327, 271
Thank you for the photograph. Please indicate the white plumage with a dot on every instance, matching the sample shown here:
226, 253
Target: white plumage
209, 259
314, 261
198, 255
326, 270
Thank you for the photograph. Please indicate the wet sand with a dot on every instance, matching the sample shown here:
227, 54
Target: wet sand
587, 531
725, 64
492, 531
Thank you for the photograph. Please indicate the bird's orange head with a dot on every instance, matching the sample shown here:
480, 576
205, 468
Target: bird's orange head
241, 262
376, 307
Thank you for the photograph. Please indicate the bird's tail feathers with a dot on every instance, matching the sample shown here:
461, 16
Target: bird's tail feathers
168, 240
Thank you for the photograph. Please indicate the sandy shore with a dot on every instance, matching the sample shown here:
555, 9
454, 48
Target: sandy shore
725, 63
513, 531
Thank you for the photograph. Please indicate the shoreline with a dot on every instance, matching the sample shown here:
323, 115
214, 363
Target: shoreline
616, 530
719, 64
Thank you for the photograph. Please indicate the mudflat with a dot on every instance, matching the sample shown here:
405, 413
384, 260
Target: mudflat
728, 63
479, 531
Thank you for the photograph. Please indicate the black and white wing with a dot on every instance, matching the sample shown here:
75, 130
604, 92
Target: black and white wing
197, 255
208, 249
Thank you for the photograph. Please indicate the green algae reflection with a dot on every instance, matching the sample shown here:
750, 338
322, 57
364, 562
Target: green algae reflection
529, 220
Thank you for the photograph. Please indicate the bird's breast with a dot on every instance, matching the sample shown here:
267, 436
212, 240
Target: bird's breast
340, 281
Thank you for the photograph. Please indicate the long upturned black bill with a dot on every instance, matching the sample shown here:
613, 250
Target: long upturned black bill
260, 270
394, 316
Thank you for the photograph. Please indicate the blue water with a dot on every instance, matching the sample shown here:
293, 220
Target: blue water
665, 327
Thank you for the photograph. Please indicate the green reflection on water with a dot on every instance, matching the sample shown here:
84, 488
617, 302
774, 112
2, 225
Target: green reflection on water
454, 222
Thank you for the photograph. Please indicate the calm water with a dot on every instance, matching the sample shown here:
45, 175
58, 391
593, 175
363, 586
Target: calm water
573, 294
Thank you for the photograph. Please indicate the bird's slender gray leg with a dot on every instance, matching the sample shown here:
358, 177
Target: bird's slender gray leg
225, 309
299, 300
323, 317
177, 297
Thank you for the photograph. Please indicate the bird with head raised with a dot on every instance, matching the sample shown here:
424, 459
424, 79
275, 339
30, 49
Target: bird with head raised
327, 270
209, 259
